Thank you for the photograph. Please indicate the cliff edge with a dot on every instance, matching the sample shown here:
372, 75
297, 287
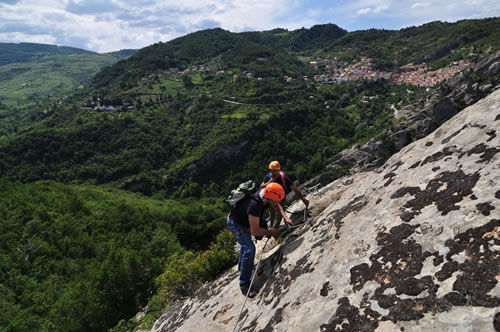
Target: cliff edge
411, 246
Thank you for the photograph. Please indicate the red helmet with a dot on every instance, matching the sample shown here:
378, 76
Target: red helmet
274, 166
274, 191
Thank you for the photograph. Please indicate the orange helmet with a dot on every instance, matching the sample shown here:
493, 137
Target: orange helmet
274, 191
274, 166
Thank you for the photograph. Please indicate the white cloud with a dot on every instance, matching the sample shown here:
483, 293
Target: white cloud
380, 9
117, 24
421, 4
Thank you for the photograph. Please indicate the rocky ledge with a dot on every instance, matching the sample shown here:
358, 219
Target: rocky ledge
411, 246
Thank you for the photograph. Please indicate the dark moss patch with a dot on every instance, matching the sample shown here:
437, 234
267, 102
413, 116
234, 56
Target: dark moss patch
479, 271
396, 265
276, 319
496, 322
447, 151
412, 286
447, 139
349, 318
447, 270
492, 134
415, 165
437, 168
428, 143
456, 186
487, 153
438, 260
389, 176
378, 201
497, 194
497, 117
394, 250
325, 289
485, 208
396, 165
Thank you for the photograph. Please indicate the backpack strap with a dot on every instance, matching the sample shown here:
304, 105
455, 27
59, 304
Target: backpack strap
283, 179
269, 176
256, 197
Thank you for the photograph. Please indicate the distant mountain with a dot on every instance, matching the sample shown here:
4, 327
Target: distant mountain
33, 73
217, 47
435, 43
122, 53
316, 37
24, 52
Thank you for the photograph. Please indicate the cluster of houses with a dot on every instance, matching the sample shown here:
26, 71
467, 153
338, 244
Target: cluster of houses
341, 71
337, 71
419, 74
195, 69
95, 105
414, 74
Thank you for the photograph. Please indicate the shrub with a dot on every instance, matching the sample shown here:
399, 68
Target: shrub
186, 272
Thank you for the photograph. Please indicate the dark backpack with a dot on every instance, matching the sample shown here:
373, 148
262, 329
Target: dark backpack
245, 189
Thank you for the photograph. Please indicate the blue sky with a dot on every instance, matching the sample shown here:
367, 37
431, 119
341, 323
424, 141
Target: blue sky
111, 25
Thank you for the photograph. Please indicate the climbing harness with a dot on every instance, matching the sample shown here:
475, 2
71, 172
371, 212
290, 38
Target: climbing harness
248, 292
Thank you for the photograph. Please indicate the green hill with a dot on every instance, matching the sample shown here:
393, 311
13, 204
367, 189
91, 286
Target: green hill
110, 181
435, 43
80, 258
22, 83
32, 74
27, 52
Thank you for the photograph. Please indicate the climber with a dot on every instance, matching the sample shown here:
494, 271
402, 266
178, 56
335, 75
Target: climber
244, 221
277, 176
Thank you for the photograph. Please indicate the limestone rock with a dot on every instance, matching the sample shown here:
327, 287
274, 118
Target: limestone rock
413, 246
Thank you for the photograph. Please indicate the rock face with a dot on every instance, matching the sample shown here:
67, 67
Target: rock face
223, 154
411, 246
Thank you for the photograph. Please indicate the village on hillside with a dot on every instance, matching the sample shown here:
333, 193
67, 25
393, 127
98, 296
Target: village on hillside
335, 72
413, 74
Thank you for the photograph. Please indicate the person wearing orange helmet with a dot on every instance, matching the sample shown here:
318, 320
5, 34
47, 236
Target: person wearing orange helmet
244, 221
276, 176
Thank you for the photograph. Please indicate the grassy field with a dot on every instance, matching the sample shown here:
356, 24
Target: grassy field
48, 77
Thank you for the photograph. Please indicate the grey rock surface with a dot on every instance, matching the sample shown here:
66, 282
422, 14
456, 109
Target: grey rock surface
411, 246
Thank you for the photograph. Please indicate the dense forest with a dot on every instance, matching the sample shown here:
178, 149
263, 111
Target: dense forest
79, 258
112, 195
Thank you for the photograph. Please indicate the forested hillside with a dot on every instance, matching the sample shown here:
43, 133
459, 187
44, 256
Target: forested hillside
26, 52
111, 193
31, 75
79, 258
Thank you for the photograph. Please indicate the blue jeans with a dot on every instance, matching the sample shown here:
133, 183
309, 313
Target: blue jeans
247, 250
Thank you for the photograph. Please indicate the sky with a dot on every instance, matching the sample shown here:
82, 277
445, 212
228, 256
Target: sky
111, 25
